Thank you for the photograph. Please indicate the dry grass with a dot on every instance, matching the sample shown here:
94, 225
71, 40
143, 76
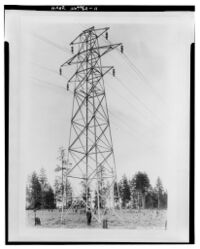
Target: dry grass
120, 219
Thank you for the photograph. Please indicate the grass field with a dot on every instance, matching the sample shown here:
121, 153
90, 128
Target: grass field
122, 219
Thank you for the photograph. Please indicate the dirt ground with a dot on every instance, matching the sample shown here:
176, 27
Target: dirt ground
119, 219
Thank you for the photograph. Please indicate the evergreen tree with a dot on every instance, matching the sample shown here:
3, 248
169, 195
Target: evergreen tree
35, 192
43, 178
116, 192
44, 186
49, 199
124, 189
142, 185
39, 194
28, 197
164, 199
133, 193
151, 198
159, 190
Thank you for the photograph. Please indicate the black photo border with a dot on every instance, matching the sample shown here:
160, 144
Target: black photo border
104, 8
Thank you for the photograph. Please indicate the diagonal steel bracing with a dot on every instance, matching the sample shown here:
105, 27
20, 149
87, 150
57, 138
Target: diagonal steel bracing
90, 151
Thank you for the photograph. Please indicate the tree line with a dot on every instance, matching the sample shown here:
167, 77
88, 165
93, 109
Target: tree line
135, 193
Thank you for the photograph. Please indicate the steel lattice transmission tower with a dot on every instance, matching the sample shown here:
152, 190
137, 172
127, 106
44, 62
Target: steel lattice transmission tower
90, 150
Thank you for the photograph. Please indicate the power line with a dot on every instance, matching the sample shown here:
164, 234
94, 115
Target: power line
52, 43
113, 89
47, 83
138, 99
128, 129
137, 71
71, 92
130, 63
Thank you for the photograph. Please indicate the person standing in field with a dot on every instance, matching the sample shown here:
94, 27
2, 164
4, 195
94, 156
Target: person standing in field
89, 216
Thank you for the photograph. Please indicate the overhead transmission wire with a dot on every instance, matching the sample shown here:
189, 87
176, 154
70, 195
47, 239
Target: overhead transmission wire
61, 48
123, 98
116, 120
44, 39
138, 99
131, 92
50, 84
141, 76
71, 92
136, 70
47, 83
128, 129
53, 71
134, 67
124, 125
127, 101
61, 87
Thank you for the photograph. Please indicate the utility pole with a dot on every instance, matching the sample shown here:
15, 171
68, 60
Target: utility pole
90, 150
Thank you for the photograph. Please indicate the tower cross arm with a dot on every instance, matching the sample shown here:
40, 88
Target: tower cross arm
105, 70
98, 33
81, 34
104, 50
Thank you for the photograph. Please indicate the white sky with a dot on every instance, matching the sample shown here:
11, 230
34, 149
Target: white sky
150, 131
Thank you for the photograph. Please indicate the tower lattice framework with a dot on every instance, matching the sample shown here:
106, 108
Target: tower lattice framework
90, 152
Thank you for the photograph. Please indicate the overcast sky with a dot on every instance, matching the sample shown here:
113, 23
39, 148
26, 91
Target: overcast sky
148, 110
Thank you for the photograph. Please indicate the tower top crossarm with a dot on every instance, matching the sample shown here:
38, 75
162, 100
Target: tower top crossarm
98, 32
